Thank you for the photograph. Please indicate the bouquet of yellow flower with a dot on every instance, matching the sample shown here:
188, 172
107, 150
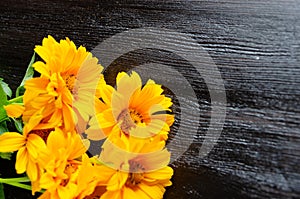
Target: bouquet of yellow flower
60, 111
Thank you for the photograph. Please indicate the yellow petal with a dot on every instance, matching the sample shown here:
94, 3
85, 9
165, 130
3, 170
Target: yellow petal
169, 119
106, 174
112, 195
21, 160
95, 134
45, 195
14, 110
56, 140
155, 160
106, 93
47, 181
67, 192
41, 68
69, 57
35, 186
105, 119
32, 170
129, 193
33, 122
42, 52
142, 194
77, 147
11, 142
157, 126
37, 84
68, 116
34, 144
127, 85
117, 181
86, 143
89, 72
161, 174
155, 191
56, 119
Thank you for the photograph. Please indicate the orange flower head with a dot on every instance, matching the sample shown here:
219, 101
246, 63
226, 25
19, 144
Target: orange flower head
67, 85
132, 109
141, 171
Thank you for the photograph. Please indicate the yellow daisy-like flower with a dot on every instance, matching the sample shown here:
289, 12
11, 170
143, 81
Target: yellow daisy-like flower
29, 145
67, 85
68, 172
139, 172
148, 185
132, 109
60, 162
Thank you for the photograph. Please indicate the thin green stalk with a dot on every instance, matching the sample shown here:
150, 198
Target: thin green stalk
17, 99
17, 180
17, 183
20, 185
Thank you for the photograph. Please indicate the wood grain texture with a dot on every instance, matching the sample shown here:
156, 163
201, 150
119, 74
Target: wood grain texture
256, 46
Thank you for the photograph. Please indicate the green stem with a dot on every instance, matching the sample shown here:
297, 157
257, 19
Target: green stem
17, 180
20, 185
17, 99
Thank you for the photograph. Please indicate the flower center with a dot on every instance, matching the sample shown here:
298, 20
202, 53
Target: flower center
70, 81
136, 174
69, 170
43, 133
129, 118
136, 116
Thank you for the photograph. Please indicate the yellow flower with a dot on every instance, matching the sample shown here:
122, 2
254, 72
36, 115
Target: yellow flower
138, 185
60, 57
67, 85
29, 145
60, 163
139, 172
68, 172
132, 109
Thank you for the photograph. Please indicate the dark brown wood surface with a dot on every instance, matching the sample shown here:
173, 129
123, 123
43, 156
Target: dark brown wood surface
256, 47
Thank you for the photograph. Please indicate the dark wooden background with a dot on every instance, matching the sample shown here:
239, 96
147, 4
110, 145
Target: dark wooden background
256, 46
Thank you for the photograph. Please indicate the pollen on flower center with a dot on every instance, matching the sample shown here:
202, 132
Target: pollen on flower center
136, 116
136, 174
43, 133
70, 81
129, 119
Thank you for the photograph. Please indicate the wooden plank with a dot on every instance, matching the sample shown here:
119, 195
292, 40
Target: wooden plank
255, 45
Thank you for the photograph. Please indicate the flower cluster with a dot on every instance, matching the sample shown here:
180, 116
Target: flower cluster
68, 105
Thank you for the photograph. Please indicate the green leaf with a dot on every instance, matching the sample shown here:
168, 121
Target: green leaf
18, 124
3, 95
3, 127
28, 75
3, 115
2, 196
3, 101
5, 88
6, 156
